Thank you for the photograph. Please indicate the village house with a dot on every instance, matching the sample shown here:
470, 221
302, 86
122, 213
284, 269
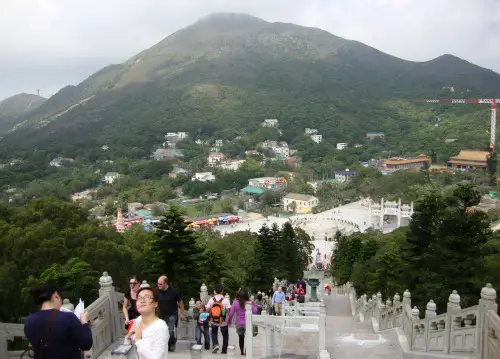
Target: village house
294, 161
87, 194
219, 143
268, 144
373, 135
270, 123
170, 144
395, 164
58, 162
111, 177
341, 145
310, 131
470, 160
203, 177
344, 175
299, 203
317, 138
281, 151
176, 172
162, 153
214, 158
176, 136
231, 165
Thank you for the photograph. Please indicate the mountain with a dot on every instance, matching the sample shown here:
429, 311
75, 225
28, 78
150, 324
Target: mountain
13, 107
227, 72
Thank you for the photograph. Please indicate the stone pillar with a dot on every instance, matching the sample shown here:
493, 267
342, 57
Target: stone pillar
415, 313
430, 311
486, 303
204, 294
406, 299
370, 213
107, 289
399, 213
322, 327
398, 315
249, 331
453, 302
381, 214
67, 305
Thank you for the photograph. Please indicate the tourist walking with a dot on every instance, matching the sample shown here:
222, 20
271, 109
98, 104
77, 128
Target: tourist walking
238, 310
54, 334
171, 306
129, 308
278, 301
202, 319
219, 307
149, 334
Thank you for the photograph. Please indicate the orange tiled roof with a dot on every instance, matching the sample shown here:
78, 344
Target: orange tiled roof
471, 156
411, 160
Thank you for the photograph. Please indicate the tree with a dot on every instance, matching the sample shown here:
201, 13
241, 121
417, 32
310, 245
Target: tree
175, 253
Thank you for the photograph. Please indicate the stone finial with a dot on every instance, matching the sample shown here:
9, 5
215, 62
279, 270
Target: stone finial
203, 288
454, 300
396, 298
415, 313
388, 303
374, 297
67, 305
145, 284
105, 281
192, 303
488, 293
407, 294
430, 309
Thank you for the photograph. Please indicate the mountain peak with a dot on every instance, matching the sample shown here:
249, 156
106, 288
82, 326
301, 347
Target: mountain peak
230, 17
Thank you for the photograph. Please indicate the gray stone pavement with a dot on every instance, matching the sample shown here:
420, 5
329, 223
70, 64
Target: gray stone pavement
347, 339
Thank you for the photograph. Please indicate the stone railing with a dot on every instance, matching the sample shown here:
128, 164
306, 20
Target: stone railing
278, 332
473, 331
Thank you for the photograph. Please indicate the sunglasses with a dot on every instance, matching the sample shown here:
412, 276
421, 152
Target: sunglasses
133, 283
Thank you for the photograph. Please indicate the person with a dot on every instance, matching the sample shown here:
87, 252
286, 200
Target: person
149, 333
238, 309
129, 301
202, 318
218, 307
52, 333
259, 303
170, 306
278, 301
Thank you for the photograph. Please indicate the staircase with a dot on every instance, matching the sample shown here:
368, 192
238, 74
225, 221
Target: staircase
348, 339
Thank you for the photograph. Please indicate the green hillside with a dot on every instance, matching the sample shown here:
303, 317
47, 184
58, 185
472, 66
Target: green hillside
16, 106
230, 71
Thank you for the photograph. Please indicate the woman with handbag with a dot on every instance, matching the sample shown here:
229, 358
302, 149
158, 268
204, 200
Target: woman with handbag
238, 309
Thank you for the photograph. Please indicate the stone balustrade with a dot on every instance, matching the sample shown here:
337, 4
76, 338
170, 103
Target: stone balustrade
472, 331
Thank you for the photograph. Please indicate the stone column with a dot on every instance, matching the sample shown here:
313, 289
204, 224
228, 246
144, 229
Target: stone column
396, 302
381, 214
486, 303
452, 307
399, 213
249, 331
204, 294
322, 328
406, 299
430, 310
107, 289
370, 213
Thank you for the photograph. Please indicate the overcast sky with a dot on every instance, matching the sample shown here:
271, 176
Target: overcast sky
48, 44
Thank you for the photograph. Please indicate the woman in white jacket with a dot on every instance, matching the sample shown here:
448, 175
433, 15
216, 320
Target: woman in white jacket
149, 333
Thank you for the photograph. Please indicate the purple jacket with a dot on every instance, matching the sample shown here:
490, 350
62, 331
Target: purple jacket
240, 313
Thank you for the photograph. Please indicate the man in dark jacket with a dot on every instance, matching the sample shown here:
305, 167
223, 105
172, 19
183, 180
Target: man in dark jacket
55, 334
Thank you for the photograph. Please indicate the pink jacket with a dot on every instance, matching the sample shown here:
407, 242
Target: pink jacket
240, 313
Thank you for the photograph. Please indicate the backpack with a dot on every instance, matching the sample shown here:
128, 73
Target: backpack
217, 312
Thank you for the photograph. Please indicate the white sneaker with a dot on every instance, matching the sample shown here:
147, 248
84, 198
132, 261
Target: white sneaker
215, 349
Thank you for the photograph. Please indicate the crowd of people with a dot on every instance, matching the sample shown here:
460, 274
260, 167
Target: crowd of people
151, 316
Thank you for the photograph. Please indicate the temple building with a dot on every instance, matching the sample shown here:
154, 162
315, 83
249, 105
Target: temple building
470, 160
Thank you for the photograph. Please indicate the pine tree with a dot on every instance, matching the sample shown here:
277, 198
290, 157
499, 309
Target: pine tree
263, 264
175, 253
290, 254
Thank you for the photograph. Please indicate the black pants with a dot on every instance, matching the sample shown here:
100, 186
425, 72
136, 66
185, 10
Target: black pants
225, 337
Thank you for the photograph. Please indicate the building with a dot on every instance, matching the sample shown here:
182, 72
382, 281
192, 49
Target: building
111, 177
176, 136
87, 194
395, 164
271, 183
203, 177
215, 158
281, 151
170, 144
310, 131
317, 138
162, 153
470, 160
270, 123
231, 165
294, 161
58, 162
176, 172
372, 135
344, 175
299, 203
341, 146
268, 144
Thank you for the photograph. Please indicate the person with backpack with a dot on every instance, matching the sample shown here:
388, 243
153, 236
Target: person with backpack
218, 306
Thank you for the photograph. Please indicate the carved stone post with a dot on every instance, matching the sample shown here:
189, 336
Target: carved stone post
204, 294
452, 307
398, 313
415, 313
430, 310
389, 321
486, 303
107, 289
399, 213
381, 214
249, 331
322, 327
406, 299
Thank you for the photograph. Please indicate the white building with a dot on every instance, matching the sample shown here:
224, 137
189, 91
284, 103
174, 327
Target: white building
58, 162
341, 146
177, 136
203, 177
231, 165
219, 143
268, 144
111, 177
270, 123
344, 176
282, 151
317, 138
169, 144
215, 158
311, 131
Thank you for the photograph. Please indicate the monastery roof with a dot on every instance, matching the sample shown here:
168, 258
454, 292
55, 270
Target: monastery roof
473, 156
396, 161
